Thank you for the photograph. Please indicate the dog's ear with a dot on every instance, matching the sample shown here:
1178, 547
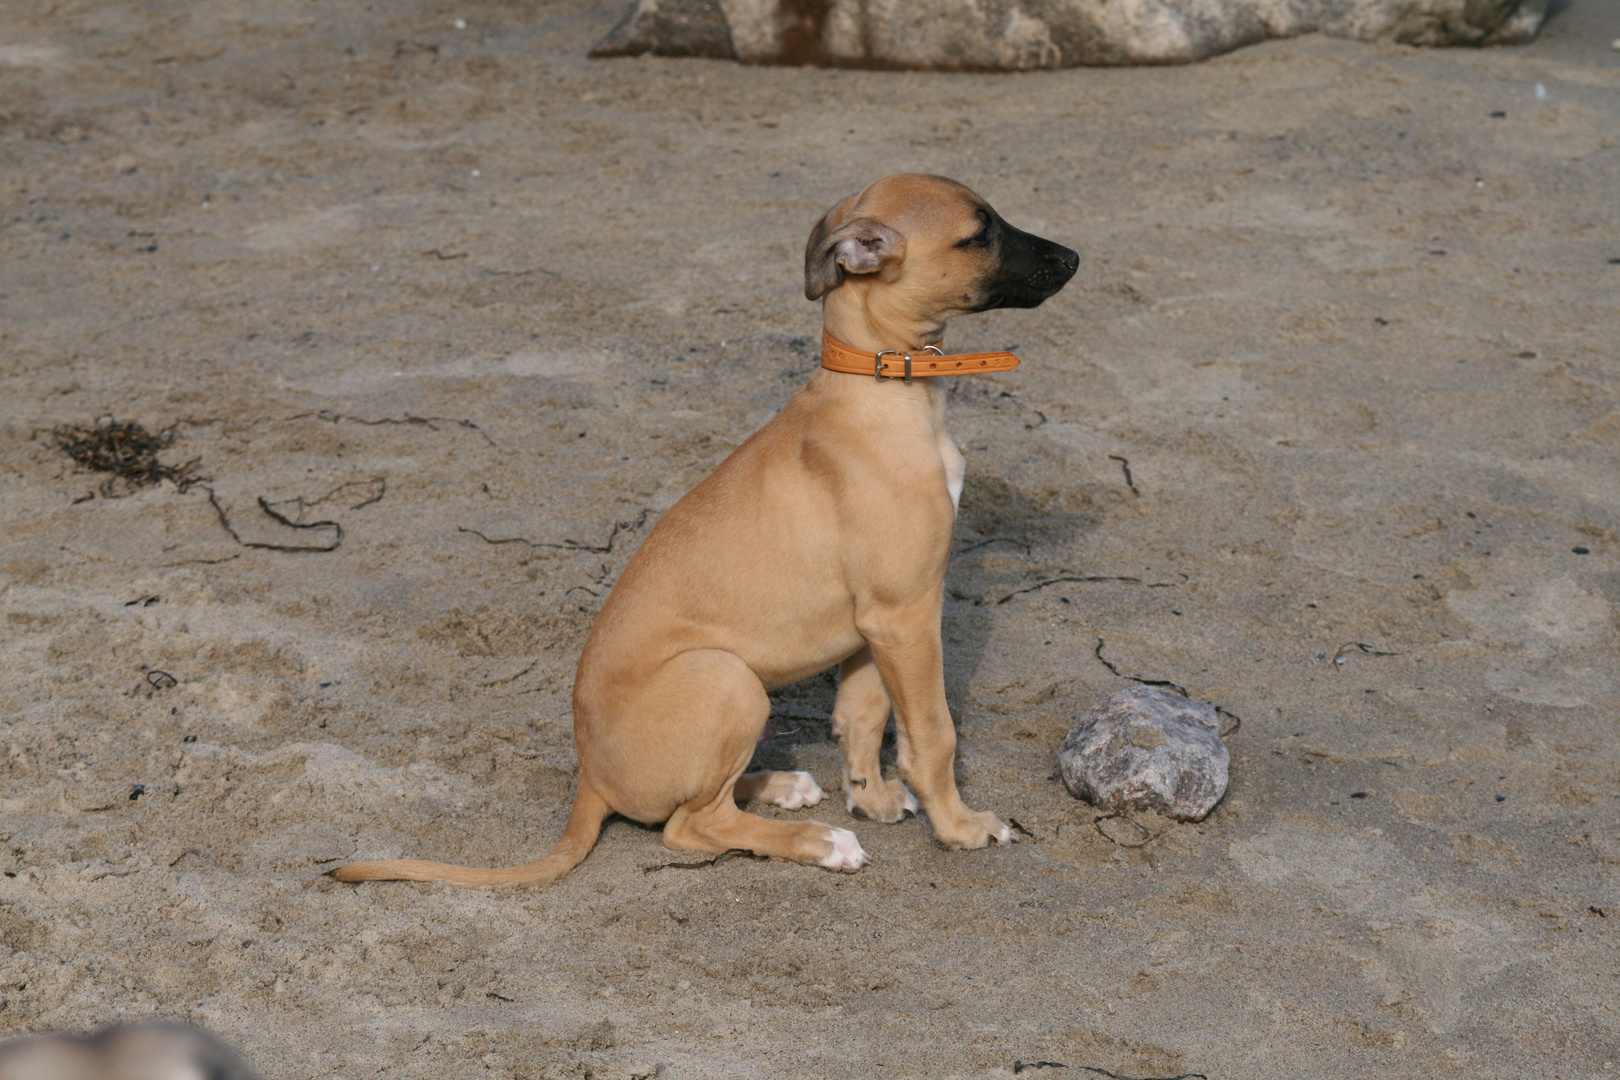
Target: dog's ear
839, 245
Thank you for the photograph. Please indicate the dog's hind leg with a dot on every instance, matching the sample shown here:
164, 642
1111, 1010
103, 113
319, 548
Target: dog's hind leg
859, 717
720, 826
711, 821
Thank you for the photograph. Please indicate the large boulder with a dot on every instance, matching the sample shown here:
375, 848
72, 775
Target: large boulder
1019, 35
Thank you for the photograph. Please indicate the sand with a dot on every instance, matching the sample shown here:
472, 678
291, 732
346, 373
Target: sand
1325, 431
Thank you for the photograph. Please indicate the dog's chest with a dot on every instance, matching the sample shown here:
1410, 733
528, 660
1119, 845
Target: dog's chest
955, 467
949, 456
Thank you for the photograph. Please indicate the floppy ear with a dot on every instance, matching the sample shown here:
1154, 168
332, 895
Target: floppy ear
855, 246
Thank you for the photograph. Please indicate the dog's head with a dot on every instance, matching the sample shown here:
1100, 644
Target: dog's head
939, 250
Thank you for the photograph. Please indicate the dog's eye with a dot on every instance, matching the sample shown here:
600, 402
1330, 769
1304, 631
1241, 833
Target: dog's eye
980, 238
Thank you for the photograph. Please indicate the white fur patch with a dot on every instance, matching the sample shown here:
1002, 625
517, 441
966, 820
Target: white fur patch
955, 469
803, 792
847, 854
912, 805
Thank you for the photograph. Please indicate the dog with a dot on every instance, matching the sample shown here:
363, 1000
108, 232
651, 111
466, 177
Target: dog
821, 540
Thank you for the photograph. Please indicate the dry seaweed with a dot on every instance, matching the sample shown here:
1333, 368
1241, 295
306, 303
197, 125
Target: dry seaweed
128, 451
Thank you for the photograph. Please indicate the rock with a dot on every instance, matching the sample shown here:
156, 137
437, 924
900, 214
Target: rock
1019, 35
1147, 749
160, 1050
670, 28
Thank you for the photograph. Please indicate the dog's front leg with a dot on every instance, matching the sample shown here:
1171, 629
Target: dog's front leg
859, 717
905, 644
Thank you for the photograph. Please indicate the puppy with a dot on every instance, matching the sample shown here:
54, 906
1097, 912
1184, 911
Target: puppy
821, 540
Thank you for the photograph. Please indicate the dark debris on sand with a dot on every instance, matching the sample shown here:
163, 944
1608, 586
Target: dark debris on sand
128, 451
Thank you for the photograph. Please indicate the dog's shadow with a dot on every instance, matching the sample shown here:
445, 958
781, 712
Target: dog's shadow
1004, 535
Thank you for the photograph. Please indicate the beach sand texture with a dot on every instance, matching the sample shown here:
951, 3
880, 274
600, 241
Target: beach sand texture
1326, 431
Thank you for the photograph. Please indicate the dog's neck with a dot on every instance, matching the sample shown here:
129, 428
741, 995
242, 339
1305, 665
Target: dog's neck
850, 315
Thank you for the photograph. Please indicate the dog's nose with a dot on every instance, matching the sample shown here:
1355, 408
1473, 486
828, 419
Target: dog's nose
1069, 259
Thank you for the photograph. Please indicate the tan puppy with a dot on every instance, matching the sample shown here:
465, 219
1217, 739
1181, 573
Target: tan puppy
821, 540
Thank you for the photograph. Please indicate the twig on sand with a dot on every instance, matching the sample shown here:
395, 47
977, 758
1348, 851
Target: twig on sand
329, 416
724, 856
1074, 579
976, 545
225, 521
1147, 835
1221, 710
1339, 654
1117, 1076
1082, 579
1110, 665
566, 545
1125, 465
429, 422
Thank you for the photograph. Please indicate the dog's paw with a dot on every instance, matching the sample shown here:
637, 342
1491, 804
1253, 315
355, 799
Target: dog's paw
883, 800
974, 830
847, 854
795, 790
789, 790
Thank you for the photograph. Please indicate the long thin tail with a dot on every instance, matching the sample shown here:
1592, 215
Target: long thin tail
579, 835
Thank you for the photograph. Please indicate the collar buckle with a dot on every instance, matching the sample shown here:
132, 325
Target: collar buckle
877, 362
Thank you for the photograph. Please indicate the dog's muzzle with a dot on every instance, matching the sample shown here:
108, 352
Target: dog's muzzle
1029, 270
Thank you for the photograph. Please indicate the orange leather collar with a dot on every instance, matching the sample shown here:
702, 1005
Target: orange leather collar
891, 364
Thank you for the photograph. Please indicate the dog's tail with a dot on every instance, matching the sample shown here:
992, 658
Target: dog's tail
579, 835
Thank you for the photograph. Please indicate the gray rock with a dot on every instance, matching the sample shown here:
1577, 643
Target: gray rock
1147, 749
1019, 35
160, 1050
670, 28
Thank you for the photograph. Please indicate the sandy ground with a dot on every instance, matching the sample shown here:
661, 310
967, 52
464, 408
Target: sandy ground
1347, 312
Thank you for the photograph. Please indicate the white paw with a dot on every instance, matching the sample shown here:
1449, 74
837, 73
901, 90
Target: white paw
1005, 835
846, 853
804, 791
